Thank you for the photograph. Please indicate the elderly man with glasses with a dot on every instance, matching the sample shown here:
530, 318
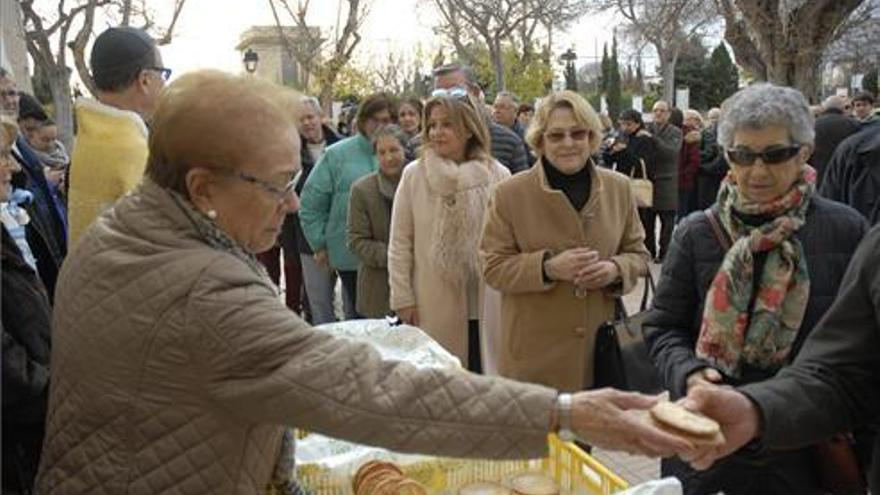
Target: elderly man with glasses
110, 153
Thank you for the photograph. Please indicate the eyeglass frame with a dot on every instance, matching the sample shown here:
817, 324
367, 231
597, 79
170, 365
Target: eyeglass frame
569, 133
281, 193
791, 151
164, 72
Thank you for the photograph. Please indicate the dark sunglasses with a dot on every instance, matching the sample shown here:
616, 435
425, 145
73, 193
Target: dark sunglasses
164, 72
746, 157
559, 136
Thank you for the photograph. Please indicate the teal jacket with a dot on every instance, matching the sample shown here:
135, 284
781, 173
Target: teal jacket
324, 202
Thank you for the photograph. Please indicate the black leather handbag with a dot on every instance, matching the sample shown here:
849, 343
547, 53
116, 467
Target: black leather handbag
621, 357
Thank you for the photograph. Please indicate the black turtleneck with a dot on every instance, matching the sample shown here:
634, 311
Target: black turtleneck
576, 186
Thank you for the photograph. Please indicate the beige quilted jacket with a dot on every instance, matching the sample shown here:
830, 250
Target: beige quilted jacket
175, 365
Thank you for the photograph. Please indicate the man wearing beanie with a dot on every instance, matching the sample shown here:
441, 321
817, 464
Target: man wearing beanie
110, 152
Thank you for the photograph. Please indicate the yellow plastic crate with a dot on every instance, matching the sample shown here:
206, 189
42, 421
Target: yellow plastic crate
575, 471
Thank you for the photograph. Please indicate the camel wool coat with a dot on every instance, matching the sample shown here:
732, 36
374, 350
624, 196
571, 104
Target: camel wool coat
414, 277
547, 331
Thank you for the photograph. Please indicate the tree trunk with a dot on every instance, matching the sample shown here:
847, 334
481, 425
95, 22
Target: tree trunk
669, 61
59, 84
497, 56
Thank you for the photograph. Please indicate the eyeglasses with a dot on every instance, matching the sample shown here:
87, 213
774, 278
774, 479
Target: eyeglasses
559, 136
9, 93
164, 72
280, 193
456, 92
746, 157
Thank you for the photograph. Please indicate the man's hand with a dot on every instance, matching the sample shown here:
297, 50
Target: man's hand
611, 419
738, 416
597, 275
618, 146
704, 377
409, 315
321, 259
643, 133
566, 265
693, 137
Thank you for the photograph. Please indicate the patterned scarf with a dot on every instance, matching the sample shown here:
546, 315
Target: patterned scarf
732, 332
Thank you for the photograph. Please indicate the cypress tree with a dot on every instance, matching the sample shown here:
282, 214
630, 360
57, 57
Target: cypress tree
612, 89
723, 76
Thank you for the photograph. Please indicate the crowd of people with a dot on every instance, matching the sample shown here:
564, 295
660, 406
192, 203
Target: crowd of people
161, 281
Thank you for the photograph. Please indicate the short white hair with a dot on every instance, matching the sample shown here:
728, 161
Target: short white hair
765, 105
313, 102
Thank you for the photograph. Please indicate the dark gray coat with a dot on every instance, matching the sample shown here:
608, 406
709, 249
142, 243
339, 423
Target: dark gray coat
831, 127
667, 139
834, 384
829, 237
853, 174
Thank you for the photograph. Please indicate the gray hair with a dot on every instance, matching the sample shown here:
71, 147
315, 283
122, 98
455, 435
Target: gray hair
834, 101
390, 130
469, 75
764, 105
507, 94
313, 102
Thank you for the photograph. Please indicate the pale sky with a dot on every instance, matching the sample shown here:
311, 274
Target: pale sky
208, 30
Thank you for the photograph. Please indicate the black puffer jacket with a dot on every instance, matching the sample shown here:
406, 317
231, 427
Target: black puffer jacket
829, 238
26, 317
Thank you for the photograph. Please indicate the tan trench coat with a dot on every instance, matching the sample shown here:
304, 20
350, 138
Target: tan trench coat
414, 278
547, 332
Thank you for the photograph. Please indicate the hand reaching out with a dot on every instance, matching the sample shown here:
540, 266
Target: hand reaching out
612, 419
704, 377
738, 416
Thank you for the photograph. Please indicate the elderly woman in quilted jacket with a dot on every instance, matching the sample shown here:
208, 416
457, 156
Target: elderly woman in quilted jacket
746, 282
176, 365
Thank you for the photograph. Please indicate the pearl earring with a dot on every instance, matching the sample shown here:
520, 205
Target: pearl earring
212, 214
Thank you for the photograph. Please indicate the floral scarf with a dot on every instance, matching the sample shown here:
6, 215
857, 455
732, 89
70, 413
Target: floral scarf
733, 333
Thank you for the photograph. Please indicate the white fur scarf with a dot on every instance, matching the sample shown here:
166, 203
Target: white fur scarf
462, 192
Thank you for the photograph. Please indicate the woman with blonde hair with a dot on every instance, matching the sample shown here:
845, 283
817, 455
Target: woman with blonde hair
435, 226
561, 241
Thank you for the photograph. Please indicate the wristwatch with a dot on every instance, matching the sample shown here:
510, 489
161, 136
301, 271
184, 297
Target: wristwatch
563, 415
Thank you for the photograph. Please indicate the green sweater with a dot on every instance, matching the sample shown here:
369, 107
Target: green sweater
324, 209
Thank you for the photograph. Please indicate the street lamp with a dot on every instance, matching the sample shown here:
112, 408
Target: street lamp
568, 59
251, 59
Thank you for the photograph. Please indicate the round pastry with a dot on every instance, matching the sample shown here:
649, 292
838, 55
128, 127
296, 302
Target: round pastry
534, 484
483, 488
371, 481
677, 416
372, 467
387, 485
